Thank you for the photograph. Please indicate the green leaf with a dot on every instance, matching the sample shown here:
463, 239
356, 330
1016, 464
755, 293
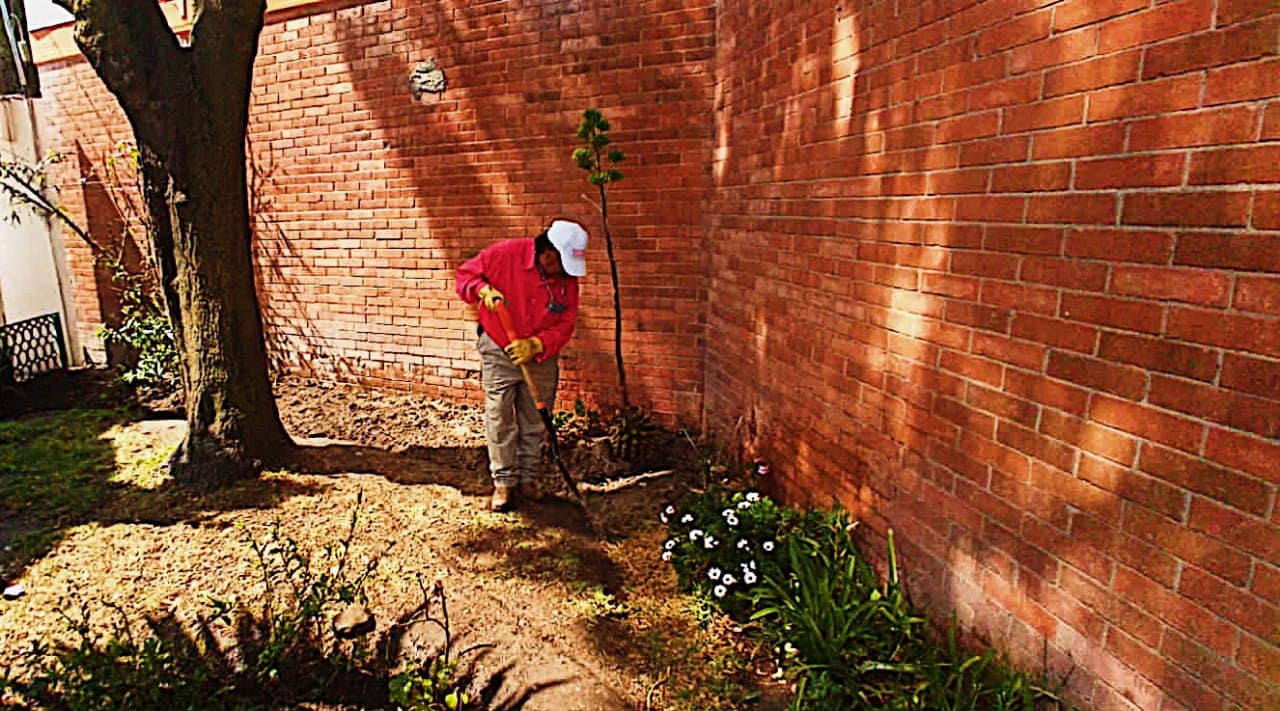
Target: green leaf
615, 156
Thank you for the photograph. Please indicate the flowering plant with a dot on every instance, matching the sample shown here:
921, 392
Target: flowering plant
722, 543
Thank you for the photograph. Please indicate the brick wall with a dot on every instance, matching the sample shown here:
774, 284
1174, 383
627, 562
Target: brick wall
1005, 276
365, 200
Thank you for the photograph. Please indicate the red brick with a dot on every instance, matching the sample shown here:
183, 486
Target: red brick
1071, 273
1097, 374
1260, 294
1096, 73
994, 150
1089, 437
1075, 13
1160, 355
1255, 164
1054, 332
1001, 405
1161, 22
1260, 658
1242, 412
1212, 49
1176, 610
948, 285
1018, 31
1119, 245
1245, 82
1252, 375
1271, 121
989, 208
1146, 422
1037, 388
1072, 209
1034, 177
1145, 99
1073, 142
1244, 252
1266, 210
997, 265
987, 318
1204, 477
1196, 286
1203, 209
950, 182
1156, 170
1246, 453
1045, 114
965, 366
1109, 311
980, 71
1058, 50
1228, 330
1007, 350
1025, 240
1010, 92
1235, 124
1025, 298
1241, 530
1189, 546
1041, 447
1233, 11
1229, 601
1266, 582
1130, 485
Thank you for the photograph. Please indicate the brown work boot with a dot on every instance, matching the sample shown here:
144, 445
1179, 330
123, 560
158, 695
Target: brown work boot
530, 490
504, 499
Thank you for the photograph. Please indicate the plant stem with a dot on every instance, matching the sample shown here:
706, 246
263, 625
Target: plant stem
617, 295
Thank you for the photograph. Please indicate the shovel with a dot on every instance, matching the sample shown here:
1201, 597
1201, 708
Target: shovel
552, 440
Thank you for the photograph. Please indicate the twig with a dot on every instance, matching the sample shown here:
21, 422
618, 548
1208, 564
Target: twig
648, 697
617, 484
586, 197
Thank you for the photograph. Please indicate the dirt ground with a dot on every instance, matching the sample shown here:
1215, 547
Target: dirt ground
575, 620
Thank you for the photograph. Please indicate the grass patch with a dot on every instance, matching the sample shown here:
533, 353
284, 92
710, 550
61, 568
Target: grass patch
54, 471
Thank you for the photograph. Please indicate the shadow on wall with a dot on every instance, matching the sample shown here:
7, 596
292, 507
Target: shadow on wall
111, 228
892, 264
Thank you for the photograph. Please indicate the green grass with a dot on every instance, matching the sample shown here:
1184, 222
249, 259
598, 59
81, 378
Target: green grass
54, 472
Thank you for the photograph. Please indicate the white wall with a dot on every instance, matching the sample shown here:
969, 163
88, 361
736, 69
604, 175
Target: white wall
29, 264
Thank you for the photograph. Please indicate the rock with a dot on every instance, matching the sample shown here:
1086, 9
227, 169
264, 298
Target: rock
13, 592
354, 621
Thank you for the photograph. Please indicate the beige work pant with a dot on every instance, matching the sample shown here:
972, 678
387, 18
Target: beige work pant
512, 425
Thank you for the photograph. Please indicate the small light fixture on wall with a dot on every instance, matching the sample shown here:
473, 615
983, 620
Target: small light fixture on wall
427, 78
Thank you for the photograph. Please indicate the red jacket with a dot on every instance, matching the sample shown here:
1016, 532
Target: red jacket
509, 267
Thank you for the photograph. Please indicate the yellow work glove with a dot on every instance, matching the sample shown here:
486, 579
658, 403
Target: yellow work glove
490, 297
523, 350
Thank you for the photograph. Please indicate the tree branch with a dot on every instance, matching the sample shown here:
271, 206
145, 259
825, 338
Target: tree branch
224, 44
131, 46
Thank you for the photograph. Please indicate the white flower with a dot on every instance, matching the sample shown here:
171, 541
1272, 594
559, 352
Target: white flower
666, 555
671, 543
744, 544
727, 513
744, 505
749, 577
719, 591
663, 517
710, 542
731, 520
687, 518
768, 546
669, 510
693, 535
713, 573
753, 496
728, 579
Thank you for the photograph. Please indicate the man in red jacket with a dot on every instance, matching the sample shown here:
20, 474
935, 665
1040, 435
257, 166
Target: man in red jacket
538, 280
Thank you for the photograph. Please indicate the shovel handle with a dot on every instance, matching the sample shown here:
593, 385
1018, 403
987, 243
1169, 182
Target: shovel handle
509, 327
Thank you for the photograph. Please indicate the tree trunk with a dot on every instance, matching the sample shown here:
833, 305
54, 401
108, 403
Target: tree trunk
189, 109
234, 425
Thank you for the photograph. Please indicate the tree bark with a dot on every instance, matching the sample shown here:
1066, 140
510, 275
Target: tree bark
189, 110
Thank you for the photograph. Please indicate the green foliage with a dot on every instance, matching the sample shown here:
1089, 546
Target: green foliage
437, 684
848, 640
593, 156
146, 333
721, 544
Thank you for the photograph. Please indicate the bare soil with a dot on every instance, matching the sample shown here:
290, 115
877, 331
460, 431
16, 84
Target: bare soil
576, 620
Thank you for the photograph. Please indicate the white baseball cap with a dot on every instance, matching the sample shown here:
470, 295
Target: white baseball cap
570, 240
